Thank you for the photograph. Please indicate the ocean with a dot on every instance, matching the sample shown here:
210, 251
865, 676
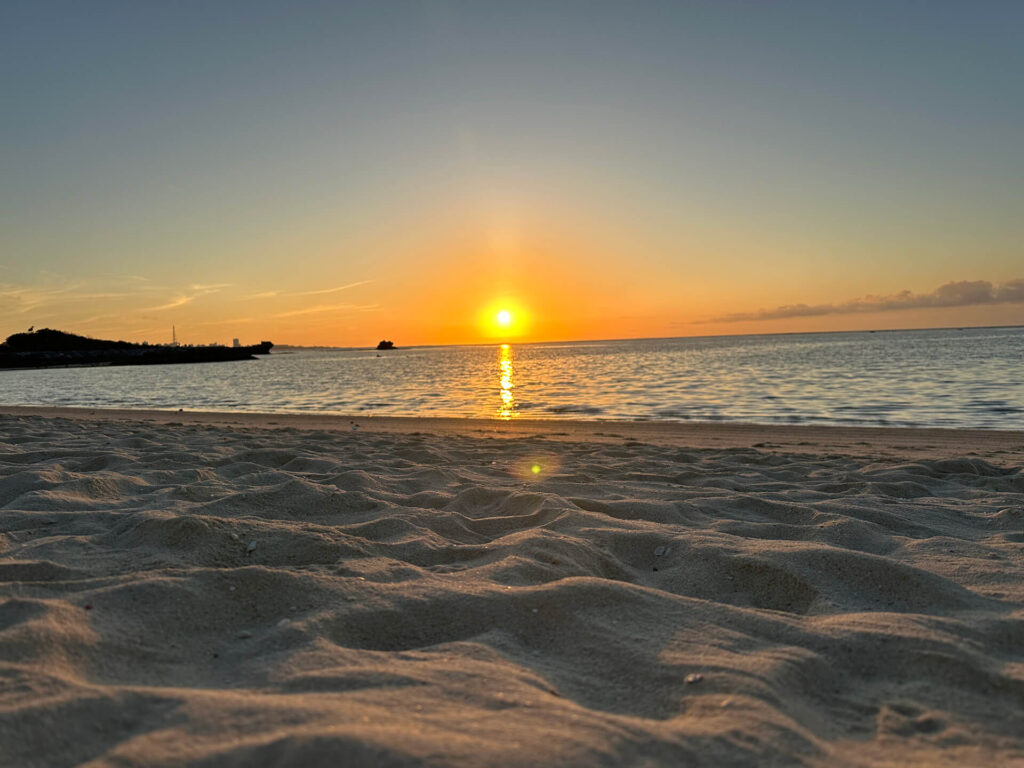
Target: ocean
969, 378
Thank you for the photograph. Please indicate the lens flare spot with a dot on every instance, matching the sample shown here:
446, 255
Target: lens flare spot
533, 468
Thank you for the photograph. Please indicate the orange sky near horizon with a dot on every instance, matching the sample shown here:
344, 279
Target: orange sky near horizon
434, 279
452, 297
438, 274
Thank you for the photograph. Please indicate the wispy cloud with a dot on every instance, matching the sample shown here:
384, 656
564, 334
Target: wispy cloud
328, 308
178, 302
21, 299
18, 299
195, 291
959, 294
334, 290
227, 321
319, 292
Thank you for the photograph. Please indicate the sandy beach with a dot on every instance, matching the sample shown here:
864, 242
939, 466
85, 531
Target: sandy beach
186, 589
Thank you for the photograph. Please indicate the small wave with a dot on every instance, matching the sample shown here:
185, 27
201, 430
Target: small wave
671, 413
586, 409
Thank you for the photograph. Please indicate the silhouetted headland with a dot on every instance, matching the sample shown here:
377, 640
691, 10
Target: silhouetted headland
48, 348
386, 345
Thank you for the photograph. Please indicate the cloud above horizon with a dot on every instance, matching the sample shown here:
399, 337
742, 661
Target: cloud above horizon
195, 291
328, 308
964, 293
282, 294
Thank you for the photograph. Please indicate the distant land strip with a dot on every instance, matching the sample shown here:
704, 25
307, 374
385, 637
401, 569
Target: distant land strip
47, 348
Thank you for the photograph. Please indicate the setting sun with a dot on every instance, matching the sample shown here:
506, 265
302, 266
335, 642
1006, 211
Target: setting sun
504, 319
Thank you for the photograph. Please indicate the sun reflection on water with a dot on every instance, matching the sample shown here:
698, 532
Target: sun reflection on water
507, 409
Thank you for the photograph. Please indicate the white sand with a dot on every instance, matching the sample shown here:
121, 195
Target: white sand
417, 595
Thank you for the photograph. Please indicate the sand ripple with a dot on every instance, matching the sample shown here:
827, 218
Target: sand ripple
190, 595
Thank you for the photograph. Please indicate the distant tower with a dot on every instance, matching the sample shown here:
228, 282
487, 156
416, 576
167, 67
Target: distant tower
174, 336
235, 344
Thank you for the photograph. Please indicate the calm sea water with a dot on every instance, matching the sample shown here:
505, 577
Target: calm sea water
949, 378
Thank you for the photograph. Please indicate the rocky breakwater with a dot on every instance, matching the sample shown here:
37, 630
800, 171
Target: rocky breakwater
48, 348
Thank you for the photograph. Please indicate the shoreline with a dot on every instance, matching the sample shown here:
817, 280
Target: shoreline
881, 442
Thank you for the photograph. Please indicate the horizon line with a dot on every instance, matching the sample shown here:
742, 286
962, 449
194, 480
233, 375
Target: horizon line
659, 338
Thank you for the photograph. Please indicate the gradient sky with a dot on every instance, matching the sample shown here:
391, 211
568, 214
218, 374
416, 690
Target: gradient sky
337, 173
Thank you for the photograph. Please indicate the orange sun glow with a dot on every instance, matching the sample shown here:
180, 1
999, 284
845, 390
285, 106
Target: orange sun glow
504, 320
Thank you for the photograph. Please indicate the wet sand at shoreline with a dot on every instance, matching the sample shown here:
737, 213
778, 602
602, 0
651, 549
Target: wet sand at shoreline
794, 438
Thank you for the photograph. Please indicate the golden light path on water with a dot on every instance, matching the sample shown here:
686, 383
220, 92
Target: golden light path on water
507, 408
534, 466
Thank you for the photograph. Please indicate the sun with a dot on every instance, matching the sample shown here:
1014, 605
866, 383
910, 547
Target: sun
504, 319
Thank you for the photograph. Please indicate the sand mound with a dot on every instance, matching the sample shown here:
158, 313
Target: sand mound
192, 595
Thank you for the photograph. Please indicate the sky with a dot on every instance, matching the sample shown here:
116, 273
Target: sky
335, 173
